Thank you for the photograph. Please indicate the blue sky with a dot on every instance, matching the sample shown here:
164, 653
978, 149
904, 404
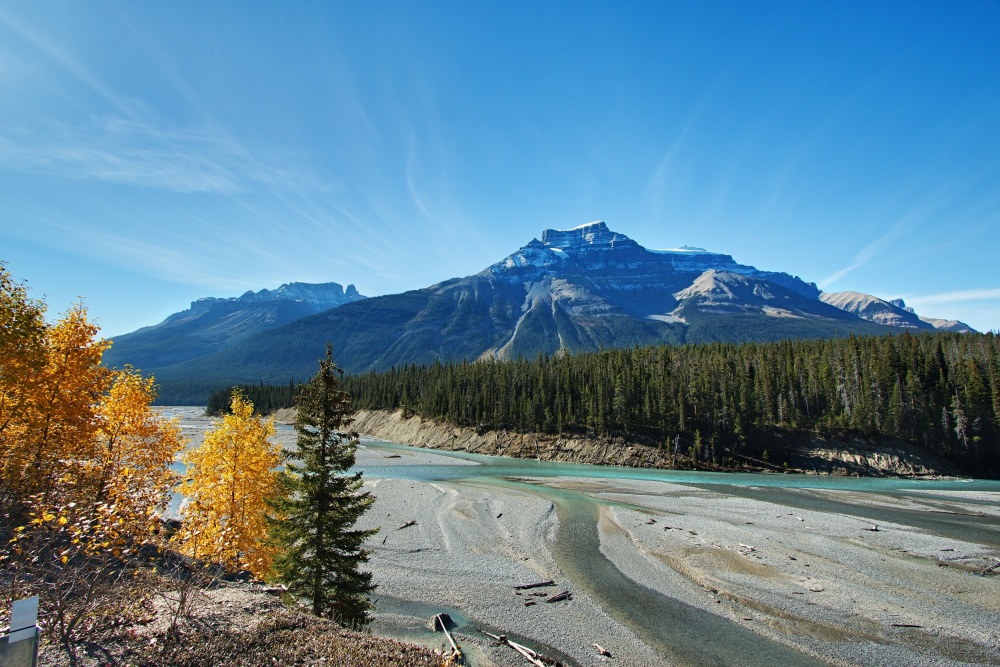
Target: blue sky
154, 153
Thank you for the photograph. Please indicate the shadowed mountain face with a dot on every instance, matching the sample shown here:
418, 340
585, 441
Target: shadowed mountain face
573, 290
211, 324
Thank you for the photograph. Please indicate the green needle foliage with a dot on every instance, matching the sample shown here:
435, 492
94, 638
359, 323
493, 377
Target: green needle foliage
321, 551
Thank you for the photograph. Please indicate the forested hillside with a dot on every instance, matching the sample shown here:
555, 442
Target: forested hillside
940, 392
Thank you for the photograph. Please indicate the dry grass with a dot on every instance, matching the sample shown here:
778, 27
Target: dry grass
281, 638
237, 624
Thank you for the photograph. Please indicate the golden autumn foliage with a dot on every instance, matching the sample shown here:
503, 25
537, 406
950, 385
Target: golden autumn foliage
50, 427
135, 448
84, 467
22, 339
231, 482
71, 430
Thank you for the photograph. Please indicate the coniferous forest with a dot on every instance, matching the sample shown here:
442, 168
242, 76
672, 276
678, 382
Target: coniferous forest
713, 402
940, 392
266, 398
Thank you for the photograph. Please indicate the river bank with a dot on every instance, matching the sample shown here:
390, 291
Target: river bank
703, 576
814, 455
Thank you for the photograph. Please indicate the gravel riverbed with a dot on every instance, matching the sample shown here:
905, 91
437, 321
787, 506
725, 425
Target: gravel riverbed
823, 583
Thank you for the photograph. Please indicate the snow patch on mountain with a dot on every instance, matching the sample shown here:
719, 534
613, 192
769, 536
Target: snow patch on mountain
669, 318
596, 251
595, 234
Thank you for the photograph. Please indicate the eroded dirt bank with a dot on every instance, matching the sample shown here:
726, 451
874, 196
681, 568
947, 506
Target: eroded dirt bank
816, 455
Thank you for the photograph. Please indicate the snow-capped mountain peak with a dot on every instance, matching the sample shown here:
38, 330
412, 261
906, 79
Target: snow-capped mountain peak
593, 234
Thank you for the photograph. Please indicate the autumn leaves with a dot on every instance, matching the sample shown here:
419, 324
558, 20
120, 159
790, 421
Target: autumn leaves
86, 478
231, 484
83, 453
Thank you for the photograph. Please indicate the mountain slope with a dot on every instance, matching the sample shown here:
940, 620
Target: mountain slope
954, 326
573, 290
210, 324
894, 313
871, 308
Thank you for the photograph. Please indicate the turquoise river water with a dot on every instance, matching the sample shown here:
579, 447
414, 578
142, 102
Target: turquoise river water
673, 628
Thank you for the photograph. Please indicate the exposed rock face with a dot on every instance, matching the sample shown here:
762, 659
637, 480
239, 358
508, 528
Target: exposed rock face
890, 313
318, 296
616, 261
414, 430
575, 290
723, 291
814, 456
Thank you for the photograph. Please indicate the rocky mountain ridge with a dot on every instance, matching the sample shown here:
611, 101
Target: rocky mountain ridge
573, 290
212, 323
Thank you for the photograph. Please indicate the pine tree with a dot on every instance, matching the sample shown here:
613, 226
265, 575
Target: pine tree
321, 549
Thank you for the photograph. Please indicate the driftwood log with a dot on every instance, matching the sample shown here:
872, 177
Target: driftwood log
411, 522
442, 621
603, 651
531, 656
564, 595
537, 584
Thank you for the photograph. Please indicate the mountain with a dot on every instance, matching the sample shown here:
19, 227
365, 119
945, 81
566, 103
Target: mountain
573, 290
894, 313
211, 324
867, 307
954, 326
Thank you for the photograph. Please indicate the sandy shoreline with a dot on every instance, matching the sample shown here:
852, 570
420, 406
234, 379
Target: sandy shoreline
817, 581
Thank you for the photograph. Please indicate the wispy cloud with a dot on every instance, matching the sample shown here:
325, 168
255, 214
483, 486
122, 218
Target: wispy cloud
960, 296
871, 251
934, 203
71, 65
658, 184
116, 138
978, 307
136, 153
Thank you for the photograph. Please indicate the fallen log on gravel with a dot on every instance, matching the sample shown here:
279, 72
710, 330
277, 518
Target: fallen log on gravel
603, 651
530, 655
442, 621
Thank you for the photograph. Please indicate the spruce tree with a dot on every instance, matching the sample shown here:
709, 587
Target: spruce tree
322, 551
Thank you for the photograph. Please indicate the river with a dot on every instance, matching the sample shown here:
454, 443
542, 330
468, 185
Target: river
926, 536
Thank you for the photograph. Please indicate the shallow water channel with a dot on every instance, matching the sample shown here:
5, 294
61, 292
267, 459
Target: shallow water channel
683, 634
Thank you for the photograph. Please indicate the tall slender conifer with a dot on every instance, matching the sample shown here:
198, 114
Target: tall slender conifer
322, 551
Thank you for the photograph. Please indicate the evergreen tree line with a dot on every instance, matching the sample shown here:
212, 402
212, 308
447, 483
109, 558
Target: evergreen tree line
266, 398
940, 392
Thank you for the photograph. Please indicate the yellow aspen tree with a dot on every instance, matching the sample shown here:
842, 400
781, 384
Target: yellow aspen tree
131, 480
62, 414
230, 485
22, 357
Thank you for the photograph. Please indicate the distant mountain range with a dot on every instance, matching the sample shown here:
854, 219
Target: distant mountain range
574, 290
211, 324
